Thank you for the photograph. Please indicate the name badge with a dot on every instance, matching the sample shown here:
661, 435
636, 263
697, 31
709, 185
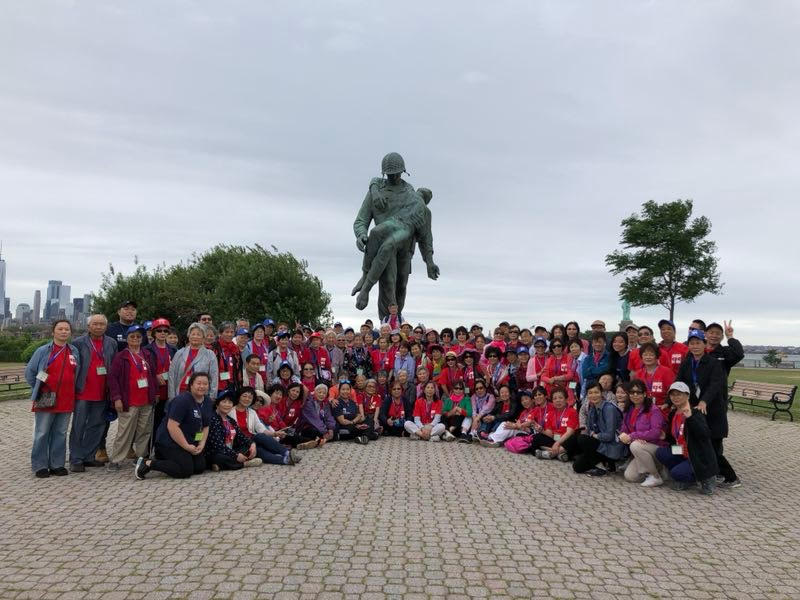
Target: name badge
359, 371
224, 376
572, 385
262, 368
165, 375
198, 437
557, 436
101, 370
188, 377
141, 382
41, 376
677, 450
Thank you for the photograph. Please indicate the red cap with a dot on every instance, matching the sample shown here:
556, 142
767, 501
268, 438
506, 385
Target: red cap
160, 322
316, 334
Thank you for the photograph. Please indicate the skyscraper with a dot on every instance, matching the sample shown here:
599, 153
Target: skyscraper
65, 300
52, 300
37, 306
5, 311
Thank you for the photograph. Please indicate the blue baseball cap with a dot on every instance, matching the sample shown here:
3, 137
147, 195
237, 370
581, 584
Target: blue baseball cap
539, 340
696, 334
266, 322
523, 350
282, 334
666, 322
147, 324
243, 331
135, 329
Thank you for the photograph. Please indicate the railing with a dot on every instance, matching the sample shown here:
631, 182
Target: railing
751, 363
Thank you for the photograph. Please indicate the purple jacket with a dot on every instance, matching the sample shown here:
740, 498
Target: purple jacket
483, 405
648, 425
314, 417
119, 378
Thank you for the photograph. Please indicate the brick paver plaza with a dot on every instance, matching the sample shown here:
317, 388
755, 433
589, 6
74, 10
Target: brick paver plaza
400, 519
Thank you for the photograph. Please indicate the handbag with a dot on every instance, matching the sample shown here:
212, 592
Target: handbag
48, 399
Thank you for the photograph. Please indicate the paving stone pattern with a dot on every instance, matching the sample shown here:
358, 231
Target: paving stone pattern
400, 519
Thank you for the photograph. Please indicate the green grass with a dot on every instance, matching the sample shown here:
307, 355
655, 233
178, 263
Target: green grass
784, 376
7, 365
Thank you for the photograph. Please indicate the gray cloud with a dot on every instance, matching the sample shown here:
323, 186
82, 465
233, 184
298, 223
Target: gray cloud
159, 129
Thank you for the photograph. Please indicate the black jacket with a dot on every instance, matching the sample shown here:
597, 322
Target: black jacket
729, 355
713, 391
698, 441
511, 414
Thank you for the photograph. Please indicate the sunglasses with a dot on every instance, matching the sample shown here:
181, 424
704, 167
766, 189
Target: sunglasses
636, 393
451, 359
161, 331
556, 346
479, 387
308, 370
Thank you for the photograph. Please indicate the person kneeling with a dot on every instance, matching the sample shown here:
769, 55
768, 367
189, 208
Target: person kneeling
349, 417
228, 448
511, 428
315, 426
599, 443
427, 423
691, 456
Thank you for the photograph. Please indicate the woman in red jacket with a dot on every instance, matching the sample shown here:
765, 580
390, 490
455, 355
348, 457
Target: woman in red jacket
557, 367
655, 376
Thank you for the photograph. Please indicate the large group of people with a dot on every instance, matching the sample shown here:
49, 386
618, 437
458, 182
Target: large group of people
242, 394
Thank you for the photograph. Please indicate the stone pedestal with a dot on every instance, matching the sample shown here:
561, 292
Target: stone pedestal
624, 323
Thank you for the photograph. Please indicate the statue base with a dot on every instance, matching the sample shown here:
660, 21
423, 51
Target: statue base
625, 323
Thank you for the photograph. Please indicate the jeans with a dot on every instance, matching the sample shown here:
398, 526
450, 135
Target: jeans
270, 450
49, 449
680, 468
88, 423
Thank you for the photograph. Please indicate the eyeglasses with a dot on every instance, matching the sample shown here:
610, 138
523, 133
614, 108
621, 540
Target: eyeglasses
479, 387
636, 393
514, 331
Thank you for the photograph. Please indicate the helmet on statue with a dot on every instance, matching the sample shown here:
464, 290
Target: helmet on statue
392, 164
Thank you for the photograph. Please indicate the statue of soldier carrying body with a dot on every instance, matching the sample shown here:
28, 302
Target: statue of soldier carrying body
402, 220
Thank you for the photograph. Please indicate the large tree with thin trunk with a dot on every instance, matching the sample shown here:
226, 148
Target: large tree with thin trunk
666, 256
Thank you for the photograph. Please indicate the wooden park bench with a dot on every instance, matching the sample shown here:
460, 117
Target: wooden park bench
776, 396
12, 382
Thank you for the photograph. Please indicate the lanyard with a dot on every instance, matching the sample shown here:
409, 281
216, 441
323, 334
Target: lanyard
694, 363
56, 355
632, 417
677, 423
162, 357
557, 364
648, 379
139, 365
543, 418
560, 416
98, 353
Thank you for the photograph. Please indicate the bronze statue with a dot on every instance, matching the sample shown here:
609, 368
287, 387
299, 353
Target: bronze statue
402, 219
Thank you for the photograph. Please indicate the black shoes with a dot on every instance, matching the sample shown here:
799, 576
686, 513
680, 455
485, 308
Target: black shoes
42, 473
59, 472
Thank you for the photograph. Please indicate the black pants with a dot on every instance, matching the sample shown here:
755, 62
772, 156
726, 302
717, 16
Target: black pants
725, 468
540, 440
225, 462
177, 462
395, 430
588, 456
453, 424
351, 432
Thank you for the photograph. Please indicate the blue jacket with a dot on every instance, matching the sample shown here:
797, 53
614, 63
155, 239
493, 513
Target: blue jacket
592, 372
606, 422
38, 362
84, 347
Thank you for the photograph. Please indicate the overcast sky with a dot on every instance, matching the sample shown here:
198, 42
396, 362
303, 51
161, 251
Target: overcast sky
159, 128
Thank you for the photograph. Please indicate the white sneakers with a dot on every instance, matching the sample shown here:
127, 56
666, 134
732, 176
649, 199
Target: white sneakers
436, 438
448, 437
652, 481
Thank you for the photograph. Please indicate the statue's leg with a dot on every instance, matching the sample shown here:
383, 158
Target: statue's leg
376, 237
386, 288
403, 271
387, 252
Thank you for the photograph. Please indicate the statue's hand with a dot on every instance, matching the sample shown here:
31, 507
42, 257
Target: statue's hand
361, 243
433, 270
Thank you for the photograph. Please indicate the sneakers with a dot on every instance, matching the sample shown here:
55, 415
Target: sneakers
543, 454
92, 463
59, 472
294, 457
563, 457
77, 468
141, 469
680, 486
101, 456
111, 466
215, 467
253, 462
448, 437
436, 438
42, 473
730, 484
490, 444
652, 481
361, 439
464, 439
308, 445
413, 436
597, 472
707, 486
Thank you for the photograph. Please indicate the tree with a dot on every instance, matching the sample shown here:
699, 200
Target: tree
772, 358
666, 259
228, 281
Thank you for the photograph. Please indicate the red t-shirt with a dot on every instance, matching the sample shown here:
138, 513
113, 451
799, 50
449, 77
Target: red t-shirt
541, 413
137, 396
427, 413
241, 421
658, 383
558, 421
163, 361
60, 382
371, 404
290, 412
270, 415
396, 410
673, 356
677, 432
554, 367
186, 370
95, 387
380, 360
527, 414
634, 361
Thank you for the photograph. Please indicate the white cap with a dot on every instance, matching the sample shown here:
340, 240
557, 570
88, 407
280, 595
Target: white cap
680, 386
